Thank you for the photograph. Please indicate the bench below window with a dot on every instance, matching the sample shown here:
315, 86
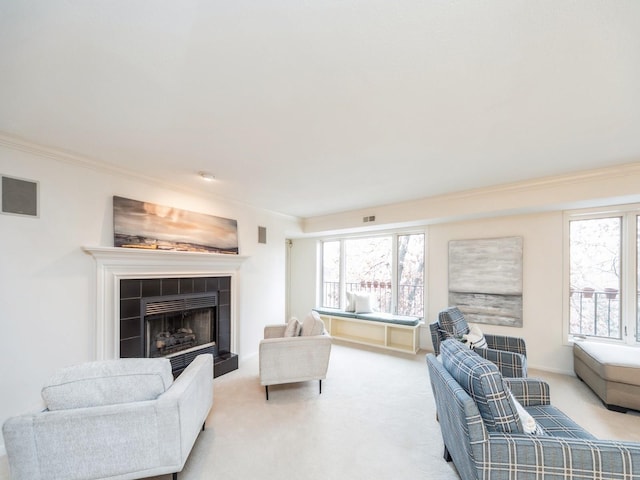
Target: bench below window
393, 332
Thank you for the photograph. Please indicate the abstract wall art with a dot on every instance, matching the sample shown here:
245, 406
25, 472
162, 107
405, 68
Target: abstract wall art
485, 280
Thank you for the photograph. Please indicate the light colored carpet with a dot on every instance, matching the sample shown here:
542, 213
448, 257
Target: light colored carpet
374, 420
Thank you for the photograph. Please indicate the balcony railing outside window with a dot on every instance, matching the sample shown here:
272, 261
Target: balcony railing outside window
331, 294
389, 267
595, 313
410, 297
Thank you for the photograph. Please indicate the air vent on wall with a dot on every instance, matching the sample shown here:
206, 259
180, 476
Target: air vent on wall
19, 197
262, 234
370, 218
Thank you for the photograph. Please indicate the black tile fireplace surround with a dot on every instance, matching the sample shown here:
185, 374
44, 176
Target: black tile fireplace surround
133, 343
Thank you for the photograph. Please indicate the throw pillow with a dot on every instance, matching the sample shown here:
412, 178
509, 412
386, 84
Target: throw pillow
363, 303
108, 382
483, 382
475, 338
293, 328
351, 302
452, 323
529, 424
312, 325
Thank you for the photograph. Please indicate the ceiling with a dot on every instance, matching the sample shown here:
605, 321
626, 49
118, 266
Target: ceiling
316, 107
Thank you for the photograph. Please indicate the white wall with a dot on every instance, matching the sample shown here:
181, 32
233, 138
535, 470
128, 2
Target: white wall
303, 277
47, 283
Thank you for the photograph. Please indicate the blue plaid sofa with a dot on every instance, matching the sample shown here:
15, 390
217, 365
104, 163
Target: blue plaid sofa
508, 353
483, 432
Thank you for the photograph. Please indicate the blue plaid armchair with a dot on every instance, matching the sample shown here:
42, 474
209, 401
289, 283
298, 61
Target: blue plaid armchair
483, 428
508, 353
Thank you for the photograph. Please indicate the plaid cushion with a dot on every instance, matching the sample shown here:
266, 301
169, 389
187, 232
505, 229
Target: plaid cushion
556, 423
483, 382
452, 323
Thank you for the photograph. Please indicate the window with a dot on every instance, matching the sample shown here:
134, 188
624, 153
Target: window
331, 274
368, 269
603, 250
411, 275
389, 267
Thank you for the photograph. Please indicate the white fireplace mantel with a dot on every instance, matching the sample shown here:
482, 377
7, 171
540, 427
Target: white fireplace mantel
115, 263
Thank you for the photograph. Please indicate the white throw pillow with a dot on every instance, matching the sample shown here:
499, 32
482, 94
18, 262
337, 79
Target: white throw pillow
312, 325
475, 338
293, 328
363, 303
529, 424
351, 302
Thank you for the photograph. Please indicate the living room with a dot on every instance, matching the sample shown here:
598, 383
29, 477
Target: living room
49, 295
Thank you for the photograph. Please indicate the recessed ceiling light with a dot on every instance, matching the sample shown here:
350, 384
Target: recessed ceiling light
207, 176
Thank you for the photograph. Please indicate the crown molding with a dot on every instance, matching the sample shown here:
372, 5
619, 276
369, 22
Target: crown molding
502, 199
70, 157
573, 178
18, 143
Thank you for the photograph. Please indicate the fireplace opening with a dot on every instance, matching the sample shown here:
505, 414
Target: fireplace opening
178, 324
174, 332
177, 318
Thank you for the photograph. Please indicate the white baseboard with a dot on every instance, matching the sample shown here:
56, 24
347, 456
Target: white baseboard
245, 358
560, 371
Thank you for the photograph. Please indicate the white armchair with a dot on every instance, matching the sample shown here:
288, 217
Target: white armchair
294, 353
114, 419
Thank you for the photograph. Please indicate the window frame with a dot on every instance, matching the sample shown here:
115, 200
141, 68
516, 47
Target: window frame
394, 266
628, 271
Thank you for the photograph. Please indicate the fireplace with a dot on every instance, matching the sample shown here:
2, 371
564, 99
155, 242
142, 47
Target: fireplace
177, 318
125, 275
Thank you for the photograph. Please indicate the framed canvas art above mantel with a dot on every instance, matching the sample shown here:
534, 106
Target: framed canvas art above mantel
145, 225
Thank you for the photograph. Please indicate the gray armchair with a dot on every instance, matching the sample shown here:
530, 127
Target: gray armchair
115, 419
483, 415
508, 353
289, 355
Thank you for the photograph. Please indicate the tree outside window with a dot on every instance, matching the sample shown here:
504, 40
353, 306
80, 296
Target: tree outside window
368, 269
389, 267
595, 254
603, 274
411, 274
